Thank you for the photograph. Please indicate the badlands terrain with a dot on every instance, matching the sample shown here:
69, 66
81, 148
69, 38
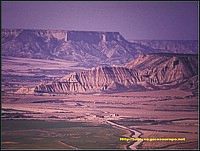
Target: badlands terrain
86, 90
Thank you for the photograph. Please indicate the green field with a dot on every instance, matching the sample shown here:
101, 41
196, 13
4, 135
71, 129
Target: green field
38, 134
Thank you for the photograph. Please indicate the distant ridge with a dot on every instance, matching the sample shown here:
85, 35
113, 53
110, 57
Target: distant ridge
89, 48
146, 72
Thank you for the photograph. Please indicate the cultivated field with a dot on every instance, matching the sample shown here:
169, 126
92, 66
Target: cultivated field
40, 134
86, 121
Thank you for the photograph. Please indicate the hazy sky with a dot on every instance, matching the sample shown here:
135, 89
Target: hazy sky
134, 20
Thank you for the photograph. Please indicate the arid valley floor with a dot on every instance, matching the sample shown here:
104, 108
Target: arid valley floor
93, 120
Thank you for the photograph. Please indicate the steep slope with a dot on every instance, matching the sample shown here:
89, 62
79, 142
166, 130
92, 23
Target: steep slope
83, 46
96, 79
191, 85
29, 43
165, 68
171, 46
89, 48
152, 71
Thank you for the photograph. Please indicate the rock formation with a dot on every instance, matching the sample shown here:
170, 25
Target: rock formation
96, 79
165, 68
89, 48
152, 71
171, 46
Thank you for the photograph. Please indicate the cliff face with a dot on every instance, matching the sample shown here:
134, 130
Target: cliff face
30, 43
154, 71
96, 79
165, 68
191, 85
89, 48
93, 37
171, 46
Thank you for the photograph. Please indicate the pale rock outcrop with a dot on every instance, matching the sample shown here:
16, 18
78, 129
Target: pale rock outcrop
25, 90
165, 68
96, 79
152, 71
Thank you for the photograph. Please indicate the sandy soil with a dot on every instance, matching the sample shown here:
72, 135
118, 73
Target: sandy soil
173, 113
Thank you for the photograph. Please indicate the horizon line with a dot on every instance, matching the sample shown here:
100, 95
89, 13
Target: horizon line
97, 31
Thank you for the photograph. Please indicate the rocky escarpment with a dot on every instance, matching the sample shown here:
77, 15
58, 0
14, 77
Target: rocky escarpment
153, 71
165, 68
89, 48
93, 37
171, 46
30, 43
191, 85
96, 79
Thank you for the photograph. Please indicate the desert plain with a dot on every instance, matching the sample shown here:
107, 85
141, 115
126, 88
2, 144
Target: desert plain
90, 120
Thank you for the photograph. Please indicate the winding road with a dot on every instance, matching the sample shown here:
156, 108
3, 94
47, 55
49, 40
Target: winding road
134, 134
